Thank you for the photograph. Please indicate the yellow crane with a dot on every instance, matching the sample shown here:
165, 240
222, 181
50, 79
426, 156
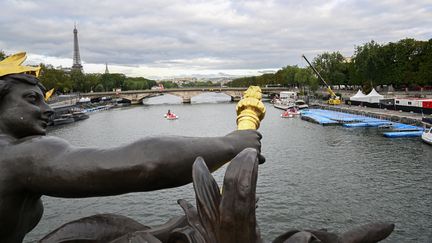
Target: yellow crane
334, 99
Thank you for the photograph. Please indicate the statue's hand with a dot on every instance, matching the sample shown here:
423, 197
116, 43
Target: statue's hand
241, 139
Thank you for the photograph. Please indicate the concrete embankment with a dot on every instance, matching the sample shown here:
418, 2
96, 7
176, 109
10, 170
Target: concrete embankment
391, 115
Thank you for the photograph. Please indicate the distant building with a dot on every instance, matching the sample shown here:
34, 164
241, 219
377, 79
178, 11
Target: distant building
183, 80
106, 68
64, 69
158, 87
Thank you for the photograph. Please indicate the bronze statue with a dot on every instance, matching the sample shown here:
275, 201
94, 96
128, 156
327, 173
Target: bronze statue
227, 217
33, 164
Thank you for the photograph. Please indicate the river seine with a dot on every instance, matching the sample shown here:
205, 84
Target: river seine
314, 176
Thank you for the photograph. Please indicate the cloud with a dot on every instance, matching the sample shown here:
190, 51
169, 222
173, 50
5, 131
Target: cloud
193, 36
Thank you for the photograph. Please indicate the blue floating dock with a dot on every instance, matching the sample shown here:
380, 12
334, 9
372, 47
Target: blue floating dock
328, 117
403, 134
357, 124
367, 124
405, 127
319, 119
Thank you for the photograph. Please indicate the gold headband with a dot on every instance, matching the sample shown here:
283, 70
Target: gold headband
12, 65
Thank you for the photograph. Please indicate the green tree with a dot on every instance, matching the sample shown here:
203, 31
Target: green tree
365, 58
91, 81
55, 78
99, 88
169, 84
288, 75
242, 82
118, 80
78, 81
267, 78
313, 82
107, 81
111, 81
424, 76
201, 84
278, 77
2, 55
303, 77
138, 83
405, 63
332, 67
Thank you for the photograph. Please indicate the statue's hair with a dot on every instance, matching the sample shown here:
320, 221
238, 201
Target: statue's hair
8, 81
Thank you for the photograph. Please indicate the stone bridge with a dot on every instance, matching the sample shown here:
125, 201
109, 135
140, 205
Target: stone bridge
137, 96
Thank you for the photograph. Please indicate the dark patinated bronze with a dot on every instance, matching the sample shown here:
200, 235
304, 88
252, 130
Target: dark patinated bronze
33, 164
228, 217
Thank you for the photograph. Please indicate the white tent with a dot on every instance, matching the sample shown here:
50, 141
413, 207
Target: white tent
373, 97
359, 96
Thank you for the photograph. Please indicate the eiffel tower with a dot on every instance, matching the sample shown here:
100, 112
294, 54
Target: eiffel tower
76, 55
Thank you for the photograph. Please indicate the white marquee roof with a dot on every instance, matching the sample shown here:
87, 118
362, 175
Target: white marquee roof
373, 93
358, 94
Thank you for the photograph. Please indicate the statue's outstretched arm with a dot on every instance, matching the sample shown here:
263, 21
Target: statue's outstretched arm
55, 168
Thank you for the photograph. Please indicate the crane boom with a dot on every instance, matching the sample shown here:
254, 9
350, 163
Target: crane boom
334, 99
316, 72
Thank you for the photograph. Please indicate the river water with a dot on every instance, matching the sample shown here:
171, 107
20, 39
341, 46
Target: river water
314, 176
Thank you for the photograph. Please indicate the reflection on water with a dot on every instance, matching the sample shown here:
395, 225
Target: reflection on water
202, 98
211, 98
314, 177
163, 99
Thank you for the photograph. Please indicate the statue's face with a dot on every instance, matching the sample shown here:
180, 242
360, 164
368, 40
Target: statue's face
23, 111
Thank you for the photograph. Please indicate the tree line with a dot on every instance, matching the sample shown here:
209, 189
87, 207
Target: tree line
404, 64
65, 81
77, 81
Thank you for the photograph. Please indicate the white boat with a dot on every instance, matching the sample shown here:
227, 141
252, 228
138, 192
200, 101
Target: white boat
301, 104
282, 105
286, 99
427, 136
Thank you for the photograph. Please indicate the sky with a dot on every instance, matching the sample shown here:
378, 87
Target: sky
173, 38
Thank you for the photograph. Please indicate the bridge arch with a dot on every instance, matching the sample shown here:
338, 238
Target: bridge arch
137, 96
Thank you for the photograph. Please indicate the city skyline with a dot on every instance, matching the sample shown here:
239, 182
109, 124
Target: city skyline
195, 38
